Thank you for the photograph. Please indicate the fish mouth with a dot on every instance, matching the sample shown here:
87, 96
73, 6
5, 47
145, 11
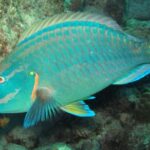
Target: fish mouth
9, 97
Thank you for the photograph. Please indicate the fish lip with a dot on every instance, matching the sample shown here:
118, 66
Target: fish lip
8, 97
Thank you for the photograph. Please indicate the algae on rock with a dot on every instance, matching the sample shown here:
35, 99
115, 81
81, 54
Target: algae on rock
16, 16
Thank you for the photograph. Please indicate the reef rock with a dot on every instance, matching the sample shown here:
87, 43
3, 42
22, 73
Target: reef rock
26, 137
139, 137
114, 8
73, 5
14, 147
139, 9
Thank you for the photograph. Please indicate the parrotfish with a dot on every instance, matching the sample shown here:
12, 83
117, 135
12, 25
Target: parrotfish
64, 60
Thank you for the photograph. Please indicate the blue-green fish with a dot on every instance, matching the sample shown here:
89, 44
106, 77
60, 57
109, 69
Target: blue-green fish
63, 60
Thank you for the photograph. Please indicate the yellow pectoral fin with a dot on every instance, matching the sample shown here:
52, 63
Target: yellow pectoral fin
80, 109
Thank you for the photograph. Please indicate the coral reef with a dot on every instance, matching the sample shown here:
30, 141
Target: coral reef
26, 137
114, 8
140, 136
138, 28
138, 9
73, 5
16, 16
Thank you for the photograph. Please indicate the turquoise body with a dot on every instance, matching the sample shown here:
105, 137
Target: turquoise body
75, 59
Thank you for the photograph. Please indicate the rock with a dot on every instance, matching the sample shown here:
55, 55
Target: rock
139, 9
73, 5
3, 141
115, 139
3, 43
113, 8
138, 28
126, 119
91, 145
16, 16
60, 146
142, 109
26, 137
100, 4
55, 146
130, 94
12, 146
92, 9
139, 137
1, 147
47, 147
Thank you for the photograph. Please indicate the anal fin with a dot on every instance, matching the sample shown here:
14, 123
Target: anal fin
134, 75
80, 109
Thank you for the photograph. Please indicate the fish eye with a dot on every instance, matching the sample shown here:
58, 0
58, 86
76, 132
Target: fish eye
2, 79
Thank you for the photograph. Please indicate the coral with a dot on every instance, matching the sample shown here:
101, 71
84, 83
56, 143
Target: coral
89, 144
97, 3
131, 94
3, 43
142, 107
114, 8
16, 16
3, 141
12, 146
138, 28
115, 139
138, 9
73, 5
55, 146
139, 138
26, 137
60, 146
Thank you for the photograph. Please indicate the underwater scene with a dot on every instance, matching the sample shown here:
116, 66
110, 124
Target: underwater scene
74, 74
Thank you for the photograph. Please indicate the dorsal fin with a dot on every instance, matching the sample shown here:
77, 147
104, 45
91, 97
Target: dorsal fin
67, 17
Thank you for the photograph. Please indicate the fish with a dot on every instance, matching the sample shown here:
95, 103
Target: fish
62, 61
4, 121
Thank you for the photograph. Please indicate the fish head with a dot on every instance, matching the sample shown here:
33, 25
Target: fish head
16, 86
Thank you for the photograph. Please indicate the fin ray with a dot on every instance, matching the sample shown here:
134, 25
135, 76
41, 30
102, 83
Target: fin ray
80, 109
134, 75
40, 111
68, 17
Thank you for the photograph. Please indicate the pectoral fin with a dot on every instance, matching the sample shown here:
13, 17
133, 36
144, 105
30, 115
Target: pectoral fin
89, 98
80, 109
135, 74
40, 112
43, 108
